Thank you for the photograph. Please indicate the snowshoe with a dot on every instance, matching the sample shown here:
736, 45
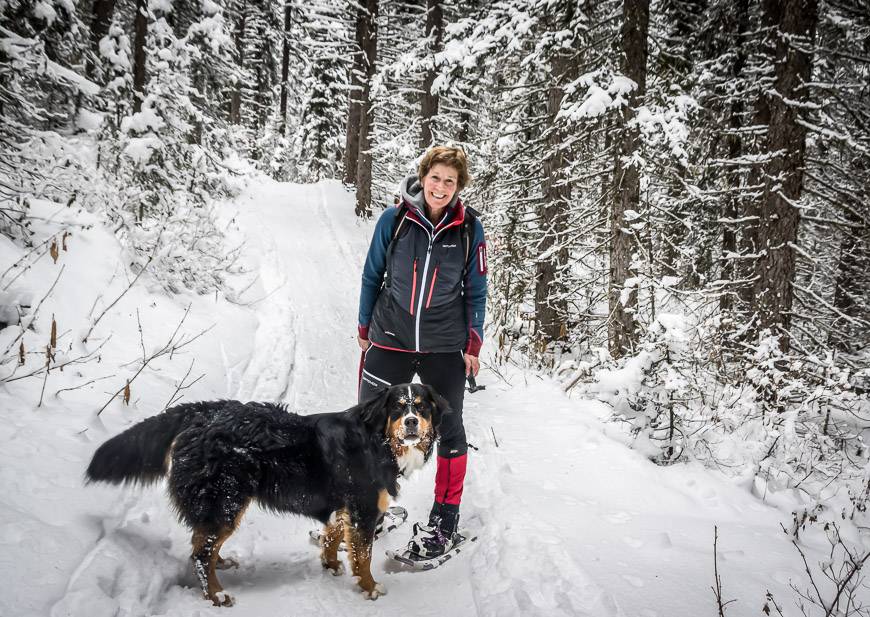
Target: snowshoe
413, 560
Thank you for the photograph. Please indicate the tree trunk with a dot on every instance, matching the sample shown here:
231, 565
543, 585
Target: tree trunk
101, 19
140, 31
429, 101
622, 334
786, 140
354, 124
748, 233
551, 304
236, 96
851, 284
364, 163
731, 209
285, 65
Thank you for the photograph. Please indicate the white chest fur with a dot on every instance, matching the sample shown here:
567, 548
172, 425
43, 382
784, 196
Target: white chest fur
410, 460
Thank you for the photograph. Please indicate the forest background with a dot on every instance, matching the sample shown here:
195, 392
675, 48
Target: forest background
676, 194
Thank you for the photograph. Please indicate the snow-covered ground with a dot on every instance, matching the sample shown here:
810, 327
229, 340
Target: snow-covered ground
570, 520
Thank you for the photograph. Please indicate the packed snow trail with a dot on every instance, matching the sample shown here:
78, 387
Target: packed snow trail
571, 522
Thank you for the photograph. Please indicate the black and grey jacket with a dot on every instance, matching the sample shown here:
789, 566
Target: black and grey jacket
423, 296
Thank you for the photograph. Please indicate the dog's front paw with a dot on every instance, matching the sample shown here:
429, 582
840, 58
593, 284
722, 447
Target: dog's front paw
375, 592
222, 598
336, 568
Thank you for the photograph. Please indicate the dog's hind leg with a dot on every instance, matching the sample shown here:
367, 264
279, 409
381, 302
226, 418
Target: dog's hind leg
206, 545
206, 557
329, 541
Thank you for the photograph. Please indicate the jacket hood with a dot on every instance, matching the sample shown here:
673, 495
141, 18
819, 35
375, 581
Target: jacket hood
412, 193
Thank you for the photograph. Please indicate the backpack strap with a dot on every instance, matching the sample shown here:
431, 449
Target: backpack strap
398, 223
467, 234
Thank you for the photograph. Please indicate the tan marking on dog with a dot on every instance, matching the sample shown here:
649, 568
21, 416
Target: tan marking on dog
206, 556
383, 500
329, 541
359, 553
397, 445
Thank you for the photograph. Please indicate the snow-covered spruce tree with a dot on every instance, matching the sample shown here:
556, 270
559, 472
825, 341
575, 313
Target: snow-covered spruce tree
319, 134
832, 287
39, 42
256, 33
170, 164
396, 97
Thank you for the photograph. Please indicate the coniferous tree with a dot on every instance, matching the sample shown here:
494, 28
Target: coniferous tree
626, 177
364, 162
429, 99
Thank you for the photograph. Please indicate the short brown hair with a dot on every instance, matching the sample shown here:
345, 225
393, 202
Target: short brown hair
445, 155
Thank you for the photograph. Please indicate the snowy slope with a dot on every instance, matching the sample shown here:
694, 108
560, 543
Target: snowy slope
571, 521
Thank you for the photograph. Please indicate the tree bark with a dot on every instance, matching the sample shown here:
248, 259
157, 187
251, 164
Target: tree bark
786, 143
551, 304
364, 163
748, 233
285, 65
429, 101
354, 119
731, 209
622, 333
140, 31
101, 18
239, 32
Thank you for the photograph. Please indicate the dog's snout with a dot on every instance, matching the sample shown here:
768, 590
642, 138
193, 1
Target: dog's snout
412, 422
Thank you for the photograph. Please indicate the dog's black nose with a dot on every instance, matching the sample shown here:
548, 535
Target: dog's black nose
411, 422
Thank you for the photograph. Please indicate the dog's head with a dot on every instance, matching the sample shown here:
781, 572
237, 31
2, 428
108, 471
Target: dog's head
409, 416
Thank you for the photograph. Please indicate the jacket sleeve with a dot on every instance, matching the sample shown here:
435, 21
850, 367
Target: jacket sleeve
375, 266
475, 290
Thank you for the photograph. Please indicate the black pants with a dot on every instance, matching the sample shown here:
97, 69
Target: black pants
443, 371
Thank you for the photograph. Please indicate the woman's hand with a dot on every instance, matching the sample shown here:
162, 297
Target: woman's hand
472, 365
364, 343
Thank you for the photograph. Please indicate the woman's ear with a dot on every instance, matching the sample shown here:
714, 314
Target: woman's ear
440, 406
374, 413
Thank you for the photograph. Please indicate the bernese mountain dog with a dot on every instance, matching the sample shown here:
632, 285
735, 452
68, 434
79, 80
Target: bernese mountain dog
338, 468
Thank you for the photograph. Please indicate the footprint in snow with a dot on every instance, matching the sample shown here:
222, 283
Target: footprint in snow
633, 580
663, 540
633, 542
619, 518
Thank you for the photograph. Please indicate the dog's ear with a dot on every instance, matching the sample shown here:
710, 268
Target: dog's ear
374, 412
440, 406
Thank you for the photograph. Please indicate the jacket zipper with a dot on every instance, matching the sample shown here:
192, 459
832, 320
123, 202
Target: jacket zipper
414, 286
425, 272
432, 286
420, 301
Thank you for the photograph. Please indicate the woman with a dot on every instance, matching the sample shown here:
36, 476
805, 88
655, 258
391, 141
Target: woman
421, 312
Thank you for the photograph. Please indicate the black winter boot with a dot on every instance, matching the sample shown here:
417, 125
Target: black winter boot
434, 539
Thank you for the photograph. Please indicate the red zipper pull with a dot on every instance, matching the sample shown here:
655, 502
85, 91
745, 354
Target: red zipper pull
414, 286
432, 286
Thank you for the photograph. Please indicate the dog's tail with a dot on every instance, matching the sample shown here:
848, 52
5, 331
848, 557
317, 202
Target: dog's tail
139, 454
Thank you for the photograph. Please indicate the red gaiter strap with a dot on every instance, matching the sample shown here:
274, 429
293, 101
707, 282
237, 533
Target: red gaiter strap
450, 478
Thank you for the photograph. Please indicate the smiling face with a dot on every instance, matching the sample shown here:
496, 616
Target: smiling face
440, 185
